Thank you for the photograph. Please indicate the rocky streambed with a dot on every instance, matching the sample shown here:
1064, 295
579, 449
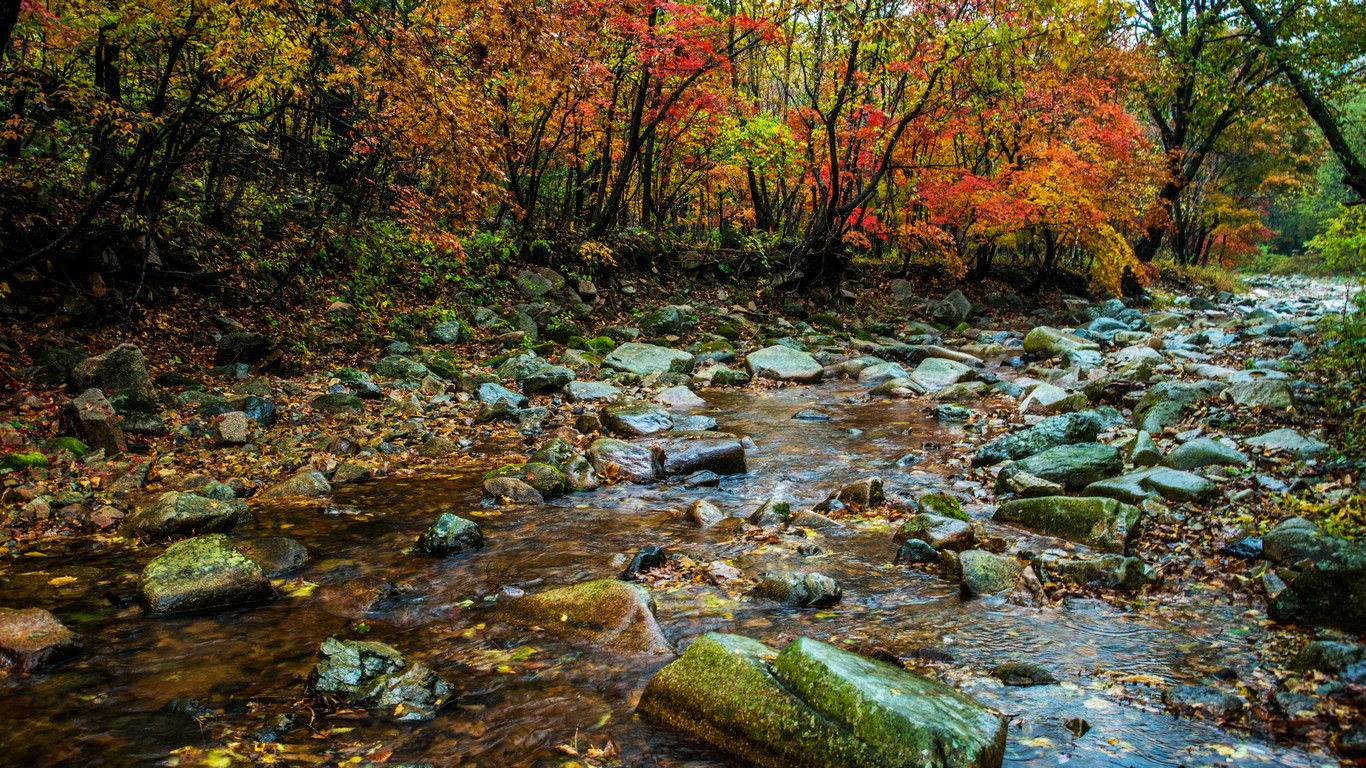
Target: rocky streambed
1032, 544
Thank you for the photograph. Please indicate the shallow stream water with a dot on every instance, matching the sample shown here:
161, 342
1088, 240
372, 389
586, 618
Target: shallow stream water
522, 693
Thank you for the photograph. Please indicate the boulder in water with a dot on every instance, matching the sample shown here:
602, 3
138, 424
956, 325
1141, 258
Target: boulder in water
32, 639
609, 614
199, 573
1100, 523
815, 706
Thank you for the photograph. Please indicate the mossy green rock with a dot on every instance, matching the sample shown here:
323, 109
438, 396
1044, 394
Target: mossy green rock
827, 321
70, 444
1100, 523
609, 614
546, 479
203, 572
1075, 466
28, 460
815, 706
338, 404
941, 504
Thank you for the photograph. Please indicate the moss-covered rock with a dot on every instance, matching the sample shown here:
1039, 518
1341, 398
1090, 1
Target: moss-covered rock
1100, 523
449, 535
174, 513
199, 573
338, 404
609, 614
23, 460
941, 504
815, 706
545, 478
69, 444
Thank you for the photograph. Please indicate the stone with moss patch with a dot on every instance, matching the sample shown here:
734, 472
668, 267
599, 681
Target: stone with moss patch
199, 573
609, 614
338, 404
21, 460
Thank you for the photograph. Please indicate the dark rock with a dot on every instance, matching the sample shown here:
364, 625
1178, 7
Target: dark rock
174, 514
647, 558
1023, 675
249, 348
92, 417
513, 490
633, 461
274, 555
1102, 524
306, 483
812, 590
1074, 466
1211, 702
122, 368
1329, 593
450, 534
376, 676
916, 551
683, 453
634, 419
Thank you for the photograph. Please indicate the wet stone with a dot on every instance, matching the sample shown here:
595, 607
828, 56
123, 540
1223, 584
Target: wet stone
916, 551
200, 573
174, 513
1021, 674
450, 535
1210, 702
812, 590
274, 555
374, 675
512, 490
608, 614
32, 639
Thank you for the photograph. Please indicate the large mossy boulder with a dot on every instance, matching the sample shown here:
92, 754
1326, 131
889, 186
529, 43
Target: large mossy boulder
608, 614
815, 706
644, 359
1164, 404
1073, 466
174, 513
1065, 429
784, 364
199, 573
1049, 342
1103, 524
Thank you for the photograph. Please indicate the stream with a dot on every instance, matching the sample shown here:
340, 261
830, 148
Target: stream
522, 693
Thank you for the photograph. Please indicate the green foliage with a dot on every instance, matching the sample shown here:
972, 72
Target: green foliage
1344, 368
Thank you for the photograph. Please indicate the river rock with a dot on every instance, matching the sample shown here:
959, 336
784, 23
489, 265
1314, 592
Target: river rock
881, 373
1211, 702
32, 639
1112, 571
1048, 400
815, 706
771, 513
1328, 593
400, 367
1074, 466
1049, 342
669, 321
306, 483
608, 614
274, 555
490, 393
1328, 656
634, 419
1065, 429
952, 309
199, 573
986, 573
1026, 485
784, 364
942, 504
1253, 392
449, 535
916, 551
704, 514
938, 532
1144, 451
1163, 405
680, 397
376, 676
1204, 452
92, 417
686, 452
644, 359
865, 493
120, 369
1170, 484
1295, 539
936, 373
512, 490
176, 514
590, 391
1023, 675
633, 461
812, 590
1102, 524
548, 480
1289, 441
551, 378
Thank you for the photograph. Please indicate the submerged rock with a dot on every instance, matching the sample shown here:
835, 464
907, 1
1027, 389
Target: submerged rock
376, 676
1102, 524
815, 706
1023, 674
274, 555
202, 572
609, 614
1211, 702
632, 461
683, 453
32, 639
